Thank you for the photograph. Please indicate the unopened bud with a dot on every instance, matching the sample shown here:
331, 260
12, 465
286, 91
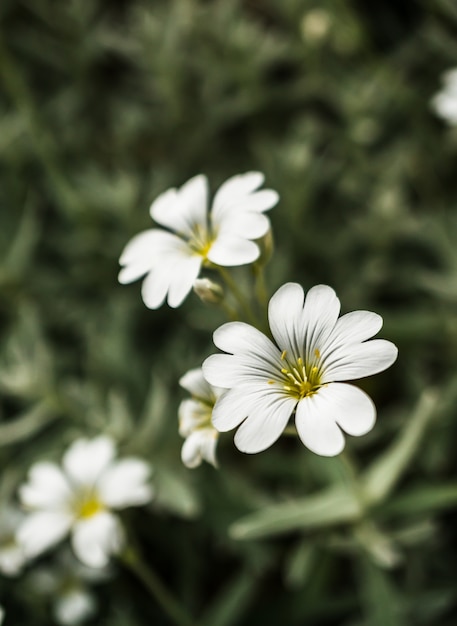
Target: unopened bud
207, 291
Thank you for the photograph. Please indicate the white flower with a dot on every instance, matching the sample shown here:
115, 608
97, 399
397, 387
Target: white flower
12, 557
2, 614
223, 237
315, 351
444, 102
73, 606
79, 498
195, 420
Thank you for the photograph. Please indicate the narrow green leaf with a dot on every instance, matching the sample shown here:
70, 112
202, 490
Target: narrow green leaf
324, 509
27, 425
381, 601
381, 477
427, 499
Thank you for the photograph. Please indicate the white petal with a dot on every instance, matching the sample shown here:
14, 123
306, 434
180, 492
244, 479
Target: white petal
155, 286
236, 404
85, 460
41, 530
184, 274
355, 327
355, 411
159, 209
125, 483
182, 210
321, 311
96, 538
244, 224
12, 559
144, 251
193, 414
285, 315
242, 338
138, 247
357, 361
195, 383
230, 250
47, 487
316, 425
227, 371
215, 370
255, 202
235, 187
265, 423
199, 446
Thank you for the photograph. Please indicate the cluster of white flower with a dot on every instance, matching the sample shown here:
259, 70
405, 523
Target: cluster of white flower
259, 385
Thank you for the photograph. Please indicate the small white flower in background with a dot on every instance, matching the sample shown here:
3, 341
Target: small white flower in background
66, 584
172, 261
302, 373
74, 606
2, 615
79, 498
12, 556
444, 103
195, 420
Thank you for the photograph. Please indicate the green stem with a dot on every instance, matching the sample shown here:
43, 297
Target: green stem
260, 287
154, 585
290, 431
244, 305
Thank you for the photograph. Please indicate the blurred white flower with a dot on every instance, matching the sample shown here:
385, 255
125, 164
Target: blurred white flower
2, 615
315, 351
224, 237
444, 103
79, 498
66, 584
73, 606
195, 420
12, 556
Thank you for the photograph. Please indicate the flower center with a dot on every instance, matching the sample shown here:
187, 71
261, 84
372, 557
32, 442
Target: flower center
88, 505
300, 380
201, 240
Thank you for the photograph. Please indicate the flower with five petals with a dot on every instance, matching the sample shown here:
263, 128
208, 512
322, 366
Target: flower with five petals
79, 498
302, 373
172, 259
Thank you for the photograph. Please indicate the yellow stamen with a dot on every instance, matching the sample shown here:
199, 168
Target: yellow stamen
317, 353
88, 507
283, 355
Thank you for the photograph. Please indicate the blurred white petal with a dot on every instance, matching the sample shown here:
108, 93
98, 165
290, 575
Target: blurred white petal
95, 539
85, 459
126, 483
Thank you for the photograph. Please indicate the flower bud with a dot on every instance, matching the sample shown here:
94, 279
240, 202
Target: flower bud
207, 291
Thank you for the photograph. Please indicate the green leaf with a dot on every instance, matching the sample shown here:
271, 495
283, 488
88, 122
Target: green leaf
426, 499
28, 424
381, 601
324, 509
381, 477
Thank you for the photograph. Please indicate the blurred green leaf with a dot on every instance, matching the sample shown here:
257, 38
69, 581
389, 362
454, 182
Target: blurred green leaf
321, 510
381, 477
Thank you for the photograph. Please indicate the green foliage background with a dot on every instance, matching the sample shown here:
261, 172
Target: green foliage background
106, 104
